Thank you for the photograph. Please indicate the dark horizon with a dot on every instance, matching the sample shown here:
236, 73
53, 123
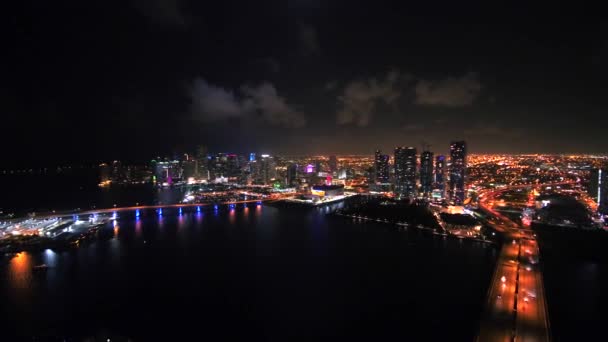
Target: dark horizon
120, 80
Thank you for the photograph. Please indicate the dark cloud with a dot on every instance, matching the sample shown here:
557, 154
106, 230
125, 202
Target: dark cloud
309, 40
361, 98
274, 108
163, 12
210, 103
449, 92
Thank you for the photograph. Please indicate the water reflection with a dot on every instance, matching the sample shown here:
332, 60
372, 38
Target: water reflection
137, 227
20, 270
246, 213
231, 216
116, 229
50, 257
180, 221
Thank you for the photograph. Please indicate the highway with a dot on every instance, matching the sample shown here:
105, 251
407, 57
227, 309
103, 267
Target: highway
498, 321
516, 308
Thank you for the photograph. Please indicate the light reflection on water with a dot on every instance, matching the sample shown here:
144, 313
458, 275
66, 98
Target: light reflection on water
265, 238
180, 221
231, 216
138, 227
20, 270
50, 257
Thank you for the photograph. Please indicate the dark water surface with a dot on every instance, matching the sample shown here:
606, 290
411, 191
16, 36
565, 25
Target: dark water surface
252, 273
77, 188
575, 271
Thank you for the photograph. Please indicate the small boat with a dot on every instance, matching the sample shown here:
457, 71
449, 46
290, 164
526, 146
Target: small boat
42, 267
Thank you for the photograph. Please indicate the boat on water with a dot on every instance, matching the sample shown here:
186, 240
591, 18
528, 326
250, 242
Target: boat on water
42, 267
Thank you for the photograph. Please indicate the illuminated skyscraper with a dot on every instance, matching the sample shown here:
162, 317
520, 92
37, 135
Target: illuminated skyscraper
458, 167
266, 169
167, 172
440, 173
426, 173
405, 171
598, 189
104, 173
381, 167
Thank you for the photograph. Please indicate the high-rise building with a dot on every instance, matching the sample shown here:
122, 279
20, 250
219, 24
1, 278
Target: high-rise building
426, 173
405, 171
218, 165
381, 167
190, 167
598, 189
440, 173
318, 167
266, 169
333, 164
458, 167
202, 162
167, 172
400, 175
292, 175
232, 165
104, 173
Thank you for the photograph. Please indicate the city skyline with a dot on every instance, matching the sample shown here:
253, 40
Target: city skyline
304, 170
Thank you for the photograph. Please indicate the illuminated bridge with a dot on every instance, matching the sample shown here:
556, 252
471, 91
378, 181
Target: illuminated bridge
157, 206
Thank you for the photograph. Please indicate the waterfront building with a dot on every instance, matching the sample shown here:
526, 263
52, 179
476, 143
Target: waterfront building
167, 172
458, 166
292, 174
598, 189
265, 169
439, 182
104, 173
405, 171
426, 173
381, 167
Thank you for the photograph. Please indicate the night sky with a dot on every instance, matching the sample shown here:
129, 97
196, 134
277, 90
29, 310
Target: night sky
91, 80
